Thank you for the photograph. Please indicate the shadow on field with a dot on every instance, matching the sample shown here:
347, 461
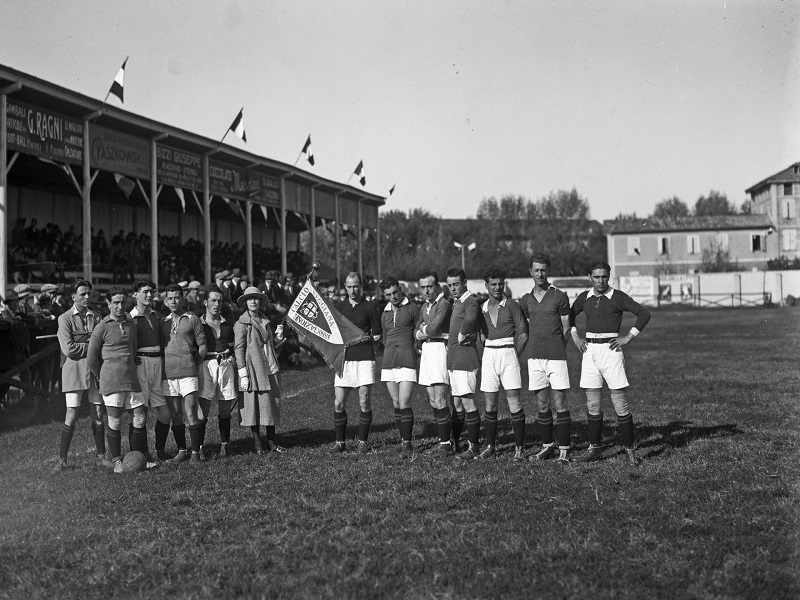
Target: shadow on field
310, 438
34, 410
656, 439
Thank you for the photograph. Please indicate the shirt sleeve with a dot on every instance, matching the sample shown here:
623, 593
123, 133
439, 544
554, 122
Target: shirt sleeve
520, 322
199, 337
562, 303
375, 320
577, 308
471, 311
641, 313
523, 306
94, 355
69, 347
441, 319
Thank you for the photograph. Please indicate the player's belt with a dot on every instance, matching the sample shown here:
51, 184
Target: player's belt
498, 347
150, 354
599, 340
217, 355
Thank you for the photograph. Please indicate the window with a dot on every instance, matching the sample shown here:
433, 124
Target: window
722, 241
789, 239
663, 245
787, 189
788, 209
633, 246
758, 243
692, 244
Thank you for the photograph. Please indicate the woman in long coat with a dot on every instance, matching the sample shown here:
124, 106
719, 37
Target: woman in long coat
259, 377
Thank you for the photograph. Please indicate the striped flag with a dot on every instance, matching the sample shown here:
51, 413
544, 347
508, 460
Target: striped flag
308, 151
126, 185
317, 320
391, 191
237, 126
359, 172
181, 197
118, 87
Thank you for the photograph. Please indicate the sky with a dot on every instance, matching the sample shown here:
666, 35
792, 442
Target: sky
453, 101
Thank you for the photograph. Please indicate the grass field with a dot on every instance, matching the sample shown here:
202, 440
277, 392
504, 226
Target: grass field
713, 512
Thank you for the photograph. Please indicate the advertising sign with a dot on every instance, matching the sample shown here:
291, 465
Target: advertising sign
44, 133
179, 168
236, 182
119, 152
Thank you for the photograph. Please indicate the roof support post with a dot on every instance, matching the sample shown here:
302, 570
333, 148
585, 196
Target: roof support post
248, 236
336, 241
153, 212
3, 197
282, 222
360, 243
378, 292
313, 227
87, 205
207, 275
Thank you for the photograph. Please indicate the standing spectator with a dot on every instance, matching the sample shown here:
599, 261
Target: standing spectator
258, 367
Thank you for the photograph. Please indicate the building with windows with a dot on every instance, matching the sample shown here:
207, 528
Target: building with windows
676, 246
778, 196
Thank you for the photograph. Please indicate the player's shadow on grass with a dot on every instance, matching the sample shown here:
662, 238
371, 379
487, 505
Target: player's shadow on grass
305, 437
657, 439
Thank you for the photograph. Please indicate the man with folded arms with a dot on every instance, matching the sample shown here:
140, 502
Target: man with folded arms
184, 349
111, 357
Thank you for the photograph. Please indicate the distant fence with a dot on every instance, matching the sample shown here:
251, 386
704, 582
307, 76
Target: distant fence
702, 290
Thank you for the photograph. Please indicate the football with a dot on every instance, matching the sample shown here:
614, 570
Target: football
133, 462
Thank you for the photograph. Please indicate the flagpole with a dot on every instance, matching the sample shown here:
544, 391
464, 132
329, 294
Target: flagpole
298, 158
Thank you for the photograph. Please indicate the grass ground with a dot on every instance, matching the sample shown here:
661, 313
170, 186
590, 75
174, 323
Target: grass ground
713, 512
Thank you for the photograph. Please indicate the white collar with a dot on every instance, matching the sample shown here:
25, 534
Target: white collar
608, 294
222, 319
169, 316
135, 312
439, 297
388, 306
501, 303
75, 311
464, 296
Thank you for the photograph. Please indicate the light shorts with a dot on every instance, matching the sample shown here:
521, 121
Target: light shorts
399, 374
149, 372
601, 362
181, 386
74, 398
543, 372
356, 373
500, 366
122, 400
217, 380
433, 364
463, 383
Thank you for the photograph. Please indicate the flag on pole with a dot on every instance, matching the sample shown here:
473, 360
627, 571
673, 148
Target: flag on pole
237, 126
117, 88
126, 185
308, 151
181, 197
359, 172
391, 191
317, 320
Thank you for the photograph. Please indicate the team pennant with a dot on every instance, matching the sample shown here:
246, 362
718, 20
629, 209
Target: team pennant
237, 126
308, 151
359, 172
330, 332
118, 87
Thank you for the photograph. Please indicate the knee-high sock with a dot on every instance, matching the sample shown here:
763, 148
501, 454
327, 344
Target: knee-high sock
473, 426
563, 429
203, 424
442, 416
98, 431
364, 422
139, 440
406, 424
114, 442
518, 425
179, 433
131, 429
66, 439
595, 429
398, 417
162, 432
224, 429
625, 424
490, 426
457, 423
545, 420
194, 436
270, 430
340, 425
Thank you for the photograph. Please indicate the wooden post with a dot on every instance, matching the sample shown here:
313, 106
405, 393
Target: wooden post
87, 205
359, 243
248, 236
378, 294
208, 275
313, 228
3, 197
153, 212
284, 262
336, 240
